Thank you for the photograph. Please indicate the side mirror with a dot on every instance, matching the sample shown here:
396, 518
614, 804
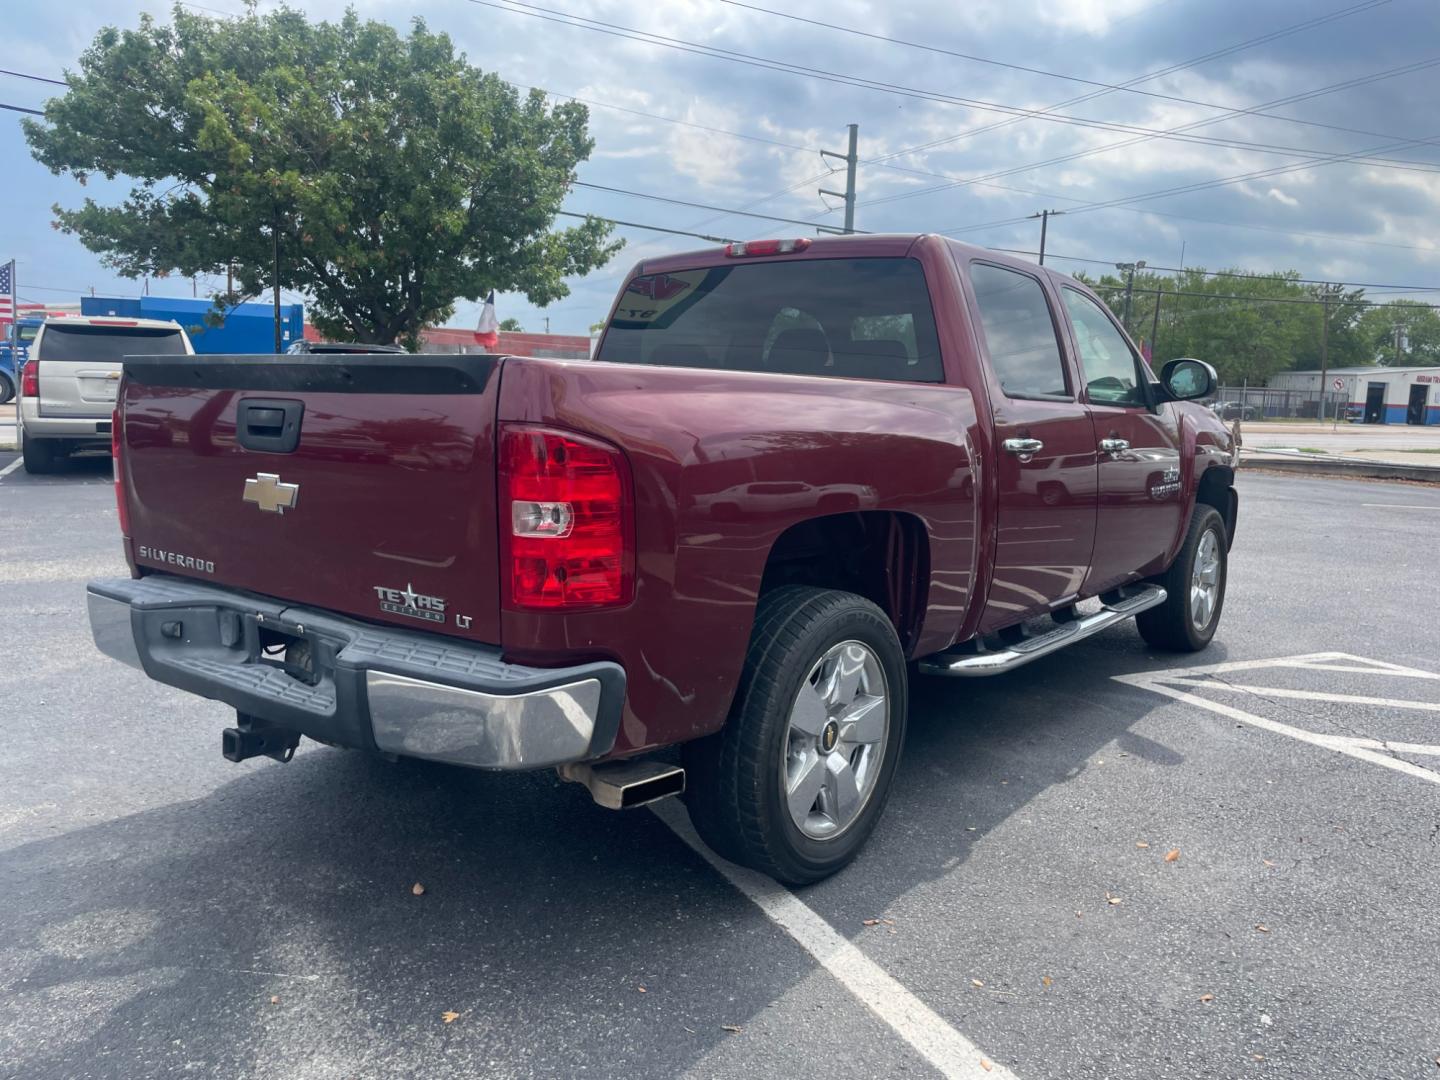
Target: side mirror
1188, 380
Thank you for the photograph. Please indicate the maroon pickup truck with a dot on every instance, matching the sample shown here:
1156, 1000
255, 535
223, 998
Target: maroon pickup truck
795, 469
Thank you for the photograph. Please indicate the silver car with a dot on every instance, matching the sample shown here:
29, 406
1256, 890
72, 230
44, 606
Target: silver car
68, 385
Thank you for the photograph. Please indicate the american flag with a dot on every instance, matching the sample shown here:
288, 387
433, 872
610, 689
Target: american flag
7, 291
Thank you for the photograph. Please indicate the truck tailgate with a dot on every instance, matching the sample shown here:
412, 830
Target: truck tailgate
384, 508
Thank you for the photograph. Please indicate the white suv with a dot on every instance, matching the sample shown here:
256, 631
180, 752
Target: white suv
67, 387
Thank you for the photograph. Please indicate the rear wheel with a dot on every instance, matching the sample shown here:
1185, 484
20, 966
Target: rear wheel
7, 388
797, 779
1195, 584
40, 455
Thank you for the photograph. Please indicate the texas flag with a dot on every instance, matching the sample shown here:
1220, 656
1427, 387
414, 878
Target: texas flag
487, 331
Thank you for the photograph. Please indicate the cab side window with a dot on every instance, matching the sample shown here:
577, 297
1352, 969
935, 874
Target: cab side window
1112, 376
1019, 333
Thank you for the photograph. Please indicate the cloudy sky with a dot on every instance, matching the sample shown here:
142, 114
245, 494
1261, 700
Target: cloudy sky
1340, 178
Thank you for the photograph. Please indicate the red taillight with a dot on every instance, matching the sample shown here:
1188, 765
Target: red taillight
30, 379
117, 447
766, 247
566, 520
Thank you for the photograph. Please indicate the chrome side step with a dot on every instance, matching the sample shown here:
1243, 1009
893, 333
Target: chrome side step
972, 665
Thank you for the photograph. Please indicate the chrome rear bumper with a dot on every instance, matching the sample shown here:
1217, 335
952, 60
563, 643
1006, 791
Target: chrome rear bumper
397, 691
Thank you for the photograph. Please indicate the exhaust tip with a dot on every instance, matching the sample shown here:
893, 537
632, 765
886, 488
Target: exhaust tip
619, 785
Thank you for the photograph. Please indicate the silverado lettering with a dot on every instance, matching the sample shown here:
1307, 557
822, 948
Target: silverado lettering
809, 468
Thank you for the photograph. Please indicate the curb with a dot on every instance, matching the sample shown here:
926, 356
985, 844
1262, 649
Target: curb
1372, 470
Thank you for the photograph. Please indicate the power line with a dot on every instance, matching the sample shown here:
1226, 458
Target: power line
1348, 84
884, 161
519, 7
1195, 61
1129, 89
651, 228
1225, 273
668, 119
20, 109
724, 210
35, 78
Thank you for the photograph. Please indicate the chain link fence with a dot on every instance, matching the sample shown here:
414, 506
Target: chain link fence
1268, 403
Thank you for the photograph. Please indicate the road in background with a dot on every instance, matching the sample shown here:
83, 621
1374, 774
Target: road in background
168, 912
1411, 443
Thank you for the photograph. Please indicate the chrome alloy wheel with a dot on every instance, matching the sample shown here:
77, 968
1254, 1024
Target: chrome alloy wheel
1205, 580
835, 743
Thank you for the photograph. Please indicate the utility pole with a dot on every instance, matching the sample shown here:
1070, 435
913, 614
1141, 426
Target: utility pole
1128, 269
1325, 349
547, 324
1399, 342
851, 159
275, 272
1045, 216
1155, 321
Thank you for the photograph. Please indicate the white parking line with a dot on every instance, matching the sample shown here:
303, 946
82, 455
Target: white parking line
8, 469
932, 1038
1402, 506
1171, 684
1306, 695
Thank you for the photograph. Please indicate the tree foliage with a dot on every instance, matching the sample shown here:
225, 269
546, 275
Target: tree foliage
1251, 327
1419, 333
396, 177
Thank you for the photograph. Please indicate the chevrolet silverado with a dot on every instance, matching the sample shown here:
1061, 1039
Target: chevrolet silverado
796, 472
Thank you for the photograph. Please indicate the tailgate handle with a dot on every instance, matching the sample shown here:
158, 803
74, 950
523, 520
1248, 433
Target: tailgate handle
269, 425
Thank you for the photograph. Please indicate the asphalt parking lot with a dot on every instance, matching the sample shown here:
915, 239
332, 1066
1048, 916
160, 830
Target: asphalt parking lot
1019, 911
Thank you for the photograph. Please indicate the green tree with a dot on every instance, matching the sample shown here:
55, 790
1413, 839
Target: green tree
1249, 327
394, 177
1419, 331
511, 326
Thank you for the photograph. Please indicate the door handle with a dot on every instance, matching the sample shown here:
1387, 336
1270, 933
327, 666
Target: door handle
1024, 449
1114, 446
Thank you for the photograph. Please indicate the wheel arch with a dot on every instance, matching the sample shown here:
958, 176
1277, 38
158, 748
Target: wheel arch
1217, 488
882, 555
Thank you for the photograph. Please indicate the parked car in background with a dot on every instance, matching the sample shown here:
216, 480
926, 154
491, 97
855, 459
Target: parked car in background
1235, 410
14, 349
794, 468
68, 384
300, 348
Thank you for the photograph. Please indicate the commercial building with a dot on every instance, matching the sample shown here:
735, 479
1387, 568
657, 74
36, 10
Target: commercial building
1375, 395
246, 328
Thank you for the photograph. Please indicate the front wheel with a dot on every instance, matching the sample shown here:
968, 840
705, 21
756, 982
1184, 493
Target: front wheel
796, 781
1195, 584
7, 388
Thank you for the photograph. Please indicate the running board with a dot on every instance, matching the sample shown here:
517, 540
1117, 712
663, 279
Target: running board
973, 665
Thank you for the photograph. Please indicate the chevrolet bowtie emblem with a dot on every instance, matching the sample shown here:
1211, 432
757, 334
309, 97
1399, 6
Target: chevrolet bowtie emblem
267, 492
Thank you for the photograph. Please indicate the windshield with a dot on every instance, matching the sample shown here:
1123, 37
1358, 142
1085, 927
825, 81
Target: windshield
26, 334
102, 344
859, 318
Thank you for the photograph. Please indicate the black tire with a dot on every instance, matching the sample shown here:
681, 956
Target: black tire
1170, 625
39, 455
7, 388
734, 778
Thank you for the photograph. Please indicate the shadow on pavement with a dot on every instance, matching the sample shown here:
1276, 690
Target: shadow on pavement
153, 943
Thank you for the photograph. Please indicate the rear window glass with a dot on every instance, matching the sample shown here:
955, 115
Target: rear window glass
856, 318
99, 344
